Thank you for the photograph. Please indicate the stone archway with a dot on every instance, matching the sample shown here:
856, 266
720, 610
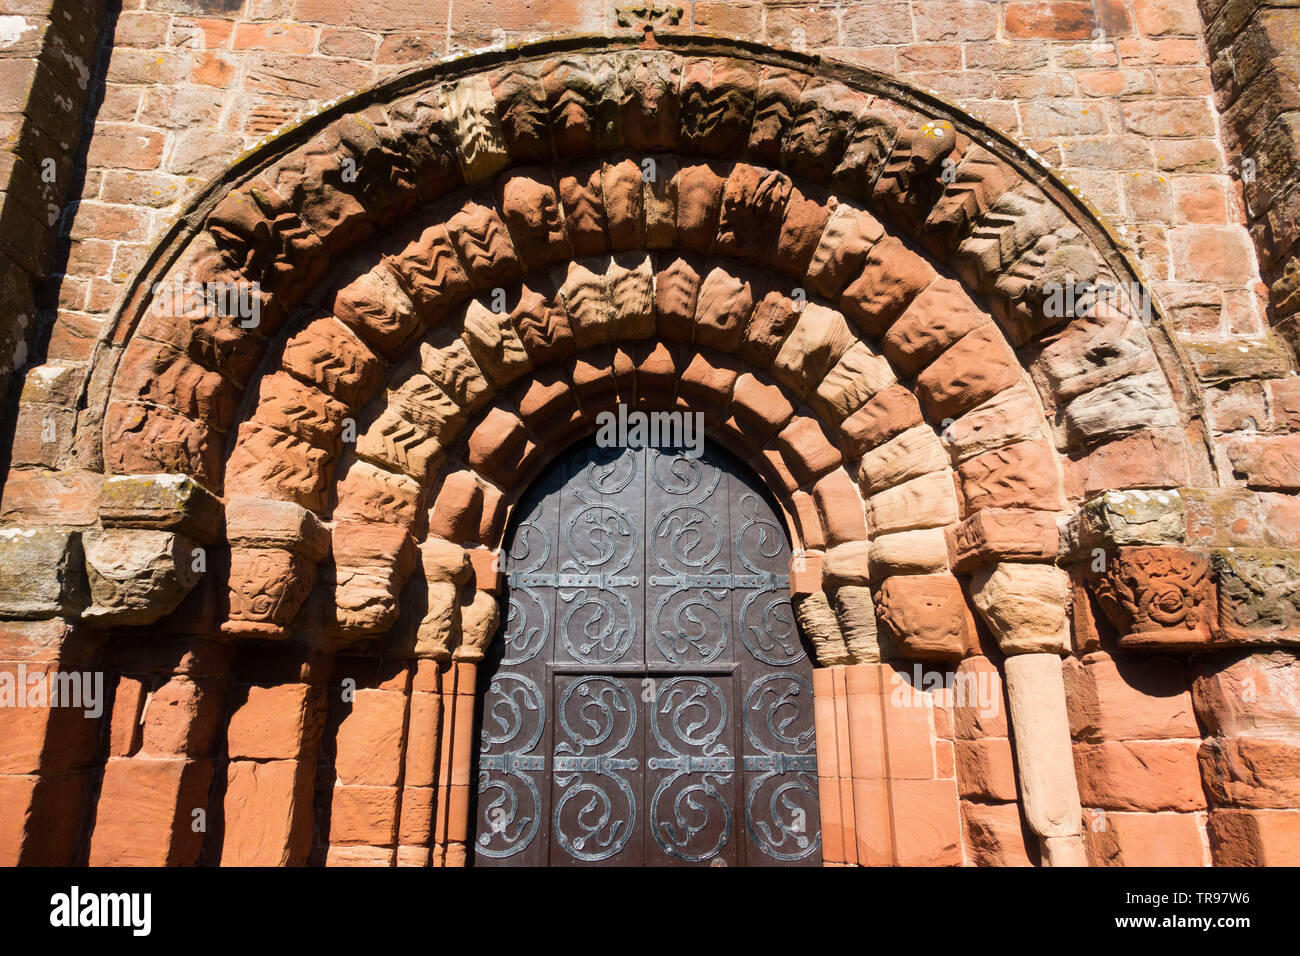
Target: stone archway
456, 271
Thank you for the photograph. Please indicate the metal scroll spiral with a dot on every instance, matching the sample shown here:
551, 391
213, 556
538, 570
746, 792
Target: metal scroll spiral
521, 638
694, 711
514, 715
602, 541
699, 631
774, 639
786, 827
585, 768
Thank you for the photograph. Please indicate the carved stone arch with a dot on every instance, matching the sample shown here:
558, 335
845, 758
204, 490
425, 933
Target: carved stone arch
852, 280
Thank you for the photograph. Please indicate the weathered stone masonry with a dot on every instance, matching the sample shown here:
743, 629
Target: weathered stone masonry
846, 275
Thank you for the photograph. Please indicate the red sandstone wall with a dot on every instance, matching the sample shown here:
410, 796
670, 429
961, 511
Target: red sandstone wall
1116, 93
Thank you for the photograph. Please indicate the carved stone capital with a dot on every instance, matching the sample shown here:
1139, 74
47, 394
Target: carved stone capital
1024, 605
137, 576
1259, 595
267, 586
927, 616
1156, 597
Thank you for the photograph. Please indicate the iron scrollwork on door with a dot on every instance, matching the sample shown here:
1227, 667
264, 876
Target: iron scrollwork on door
690, 818
514, 717
686, 540
770, 634
649, 701
527, 622
601, 539
781, 803
589, 770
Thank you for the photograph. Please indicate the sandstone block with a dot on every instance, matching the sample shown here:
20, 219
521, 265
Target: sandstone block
1260, 773
42, 573
1259, 595
929, 501
137, 576
1146, 839
275, 723
163, 502
1151, 775
1248, 694
145, 812
994, 535
1130, 698
267, 813
1024, 606
926, 615
923, 551
996, 836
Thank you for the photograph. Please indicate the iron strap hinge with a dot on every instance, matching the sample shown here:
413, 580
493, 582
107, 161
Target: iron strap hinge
603, 582
600, 763
693, 764
721, 582
782, 763
511, 762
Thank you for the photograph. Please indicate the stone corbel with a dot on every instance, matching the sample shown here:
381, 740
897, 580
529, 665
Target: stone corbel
359, 596
927, 617
479, 617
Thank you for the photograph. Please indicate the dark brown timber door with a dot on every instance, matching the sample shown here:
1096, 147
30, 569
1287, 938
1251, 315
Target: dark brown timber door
649, 700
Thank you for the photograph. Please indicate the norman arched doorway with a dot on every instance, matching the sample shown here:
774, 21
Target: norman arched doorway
649, 700
851, 280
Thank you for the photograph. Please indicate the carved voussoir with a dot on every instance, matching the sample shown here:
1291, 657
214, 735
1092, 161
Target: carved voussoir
1001, 534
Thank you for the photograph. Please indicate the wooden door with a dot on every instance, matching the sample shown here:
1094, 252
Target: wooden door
649, 700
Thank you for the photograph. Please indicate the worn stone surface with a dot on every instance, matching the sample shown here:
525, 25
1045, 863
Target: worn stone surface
927, 615
1024, 606
41, 573
138, 576
1158, 596
1259, 601
1036, 700
786, 313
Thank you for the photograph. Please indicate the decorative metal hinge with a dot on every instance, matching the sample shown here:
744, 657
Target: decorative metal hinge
603, 582
693, 764
721, 582
600, 764
511, 762
782, 763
